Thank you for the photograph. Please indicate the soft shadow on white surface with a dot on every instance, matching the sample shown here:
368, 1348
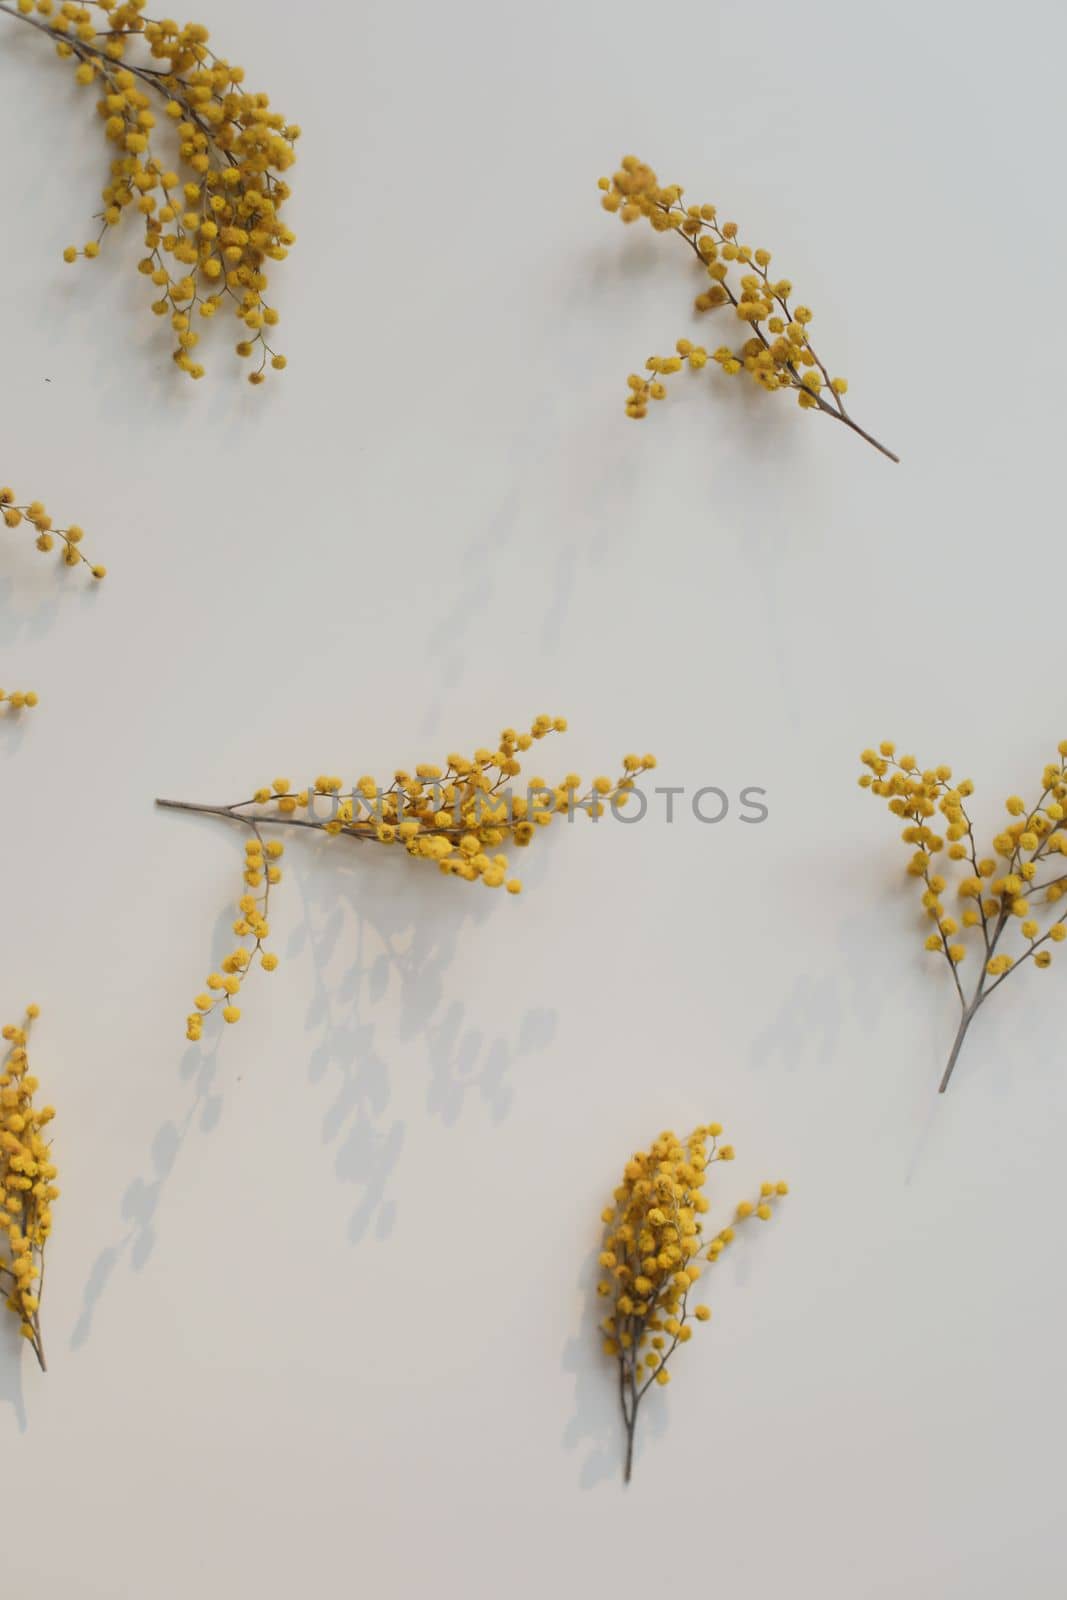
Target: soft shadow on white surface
381, 938
15, 727
198, 1109
13, 1349
36, 588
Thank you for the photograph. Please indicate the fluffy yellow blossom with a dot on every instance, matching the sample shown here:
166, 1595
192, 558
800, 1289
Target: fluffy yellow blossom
650, 1258
460, 815
27, 1186
35, 516
939, 833
194, 154
777, 352
17, 699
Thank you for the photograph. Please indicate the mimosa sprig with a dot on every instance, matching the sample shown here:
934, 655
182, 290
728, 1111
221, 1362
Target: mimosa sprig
653, 1253
779, 353
456, 816
211, 216
27, 1186
1006, 897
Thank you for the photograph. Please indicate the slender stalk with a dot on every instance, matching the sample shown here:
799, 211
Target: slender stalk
837, 411
847, 420
628, 1387
629, 1463
957, 1044
191, 805
233, 813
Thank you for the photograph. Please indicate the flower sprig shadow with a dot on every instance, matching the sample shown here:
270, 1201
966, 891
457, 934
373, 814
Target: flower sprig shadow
778, 354
455, 817
650, 1259
142, 1199
379, 961
209, 194
1006, 897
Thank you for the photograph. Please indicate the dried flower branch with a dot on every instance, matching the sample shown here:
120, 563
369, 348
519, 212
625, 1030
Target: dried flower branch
778, 355
652, 1242
453, 815
27, 1187
37, 517
218, 225
1001, 898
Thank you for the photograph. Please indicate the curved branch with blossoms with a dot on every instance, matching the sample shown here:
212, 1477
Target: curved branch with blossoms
778, 354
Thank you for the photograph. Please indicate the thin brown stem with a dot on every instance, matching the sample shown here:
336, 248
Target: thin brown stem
628, 1464
837, 411
957, 1044
828, 411
627, 1387
233, 814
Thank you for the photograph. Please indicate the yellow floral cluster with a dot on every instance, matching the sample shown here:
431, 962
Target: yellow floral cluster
652, 1254
261, 872
457, 815
777, 354
1004, 896
210, 199
36, 516
27, 1186
17, 699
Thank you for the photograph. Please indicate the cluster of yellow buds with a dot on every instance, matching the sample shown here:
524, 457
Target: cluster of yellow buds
778, 353
261, 872
212, 221
17, 699
27, 1186
457, 815
652, 1254
1005, 893
36, 516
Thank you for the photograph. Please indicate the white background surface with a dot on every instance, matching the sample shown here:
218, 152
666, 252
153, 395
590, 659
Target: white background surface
319, 1303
